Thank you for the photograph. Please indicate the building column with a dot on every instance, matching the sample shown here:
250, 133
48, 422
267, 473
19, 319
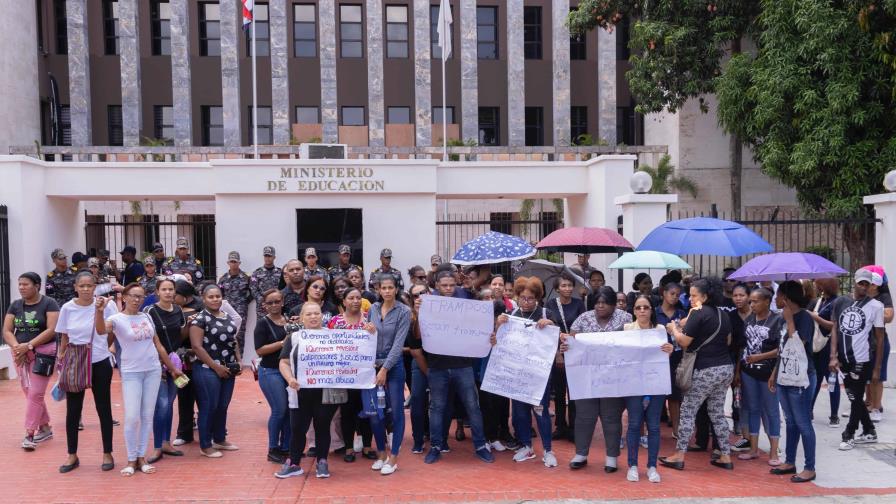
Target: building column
469, 72
560, 58
606, 85
375, 101
79, 72
129, 44
329, 114
231, 19
20, 100
641, 214
181, 78
516, 76
280, 72
422, 75
885, 252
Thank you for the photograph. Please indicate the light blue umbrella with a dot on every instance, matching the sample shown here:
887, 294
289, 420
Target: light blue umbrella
493, 247
649, 259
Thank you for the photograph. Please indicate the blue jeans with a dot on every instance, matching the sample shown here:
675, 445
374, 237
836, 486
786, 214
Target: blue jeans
213, 396
139, 390
797, 405
162, 418
395, 400
419, 384
461, 380
760, 402
522, 420
273, 386
637, 415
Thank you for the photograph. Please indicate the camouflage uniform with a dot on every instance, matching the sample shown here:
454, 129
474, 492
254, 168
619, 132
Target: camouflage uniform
61, 285
399, 283
189, 265
148, 284
338, 271
262, 280
318, 270
236, 290
291, 299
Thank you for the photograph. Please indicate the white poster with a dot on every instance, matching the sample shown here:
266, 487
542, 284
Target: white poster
334, 358
521, 361
618, 364
455, 326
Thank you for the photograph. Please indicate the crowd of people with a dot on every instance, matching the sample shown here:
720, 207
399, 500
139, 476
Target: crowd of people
173, 334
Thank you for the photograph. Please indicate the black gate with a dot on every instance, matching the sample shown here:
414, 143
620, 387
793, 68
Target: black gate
114, 232
5, 277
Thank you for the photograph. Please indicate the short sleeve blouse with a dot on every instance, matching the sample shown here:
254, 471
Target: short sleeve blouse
219, 336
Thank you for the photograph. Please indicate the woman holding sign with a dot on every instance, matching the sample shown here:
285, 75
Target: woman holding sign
644, 408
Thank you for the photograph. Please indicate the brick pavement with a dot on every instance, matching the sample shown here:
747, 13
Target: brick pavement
245, 476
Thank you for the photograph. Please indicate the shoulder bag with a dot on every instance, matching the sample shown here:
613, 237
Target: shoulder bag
684, 374
818, 340
76, 373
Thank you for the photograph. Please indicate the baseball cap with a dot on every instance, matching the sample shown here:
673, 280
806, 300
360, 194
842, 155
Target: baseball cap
863, 275
386, 252
93, 261
149, 260
128, 248
269, 251
58, 254
345, 249
102, 253
435, 259
233, 256
182, 242
78, 257
310, 251
157, 247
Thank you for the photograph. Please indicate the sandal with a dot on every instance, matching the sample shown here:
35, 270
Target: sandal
128, 471
775, 462
748, 456
153, 460
173, 453
147, 469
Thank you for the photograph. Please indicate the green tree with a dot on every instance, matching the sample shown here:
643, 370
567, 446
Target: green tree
665, 180
816, 105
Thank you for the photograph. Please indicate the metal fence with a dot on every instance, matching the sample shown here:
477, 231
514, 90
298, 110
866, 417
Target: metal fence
114, 232
5, 277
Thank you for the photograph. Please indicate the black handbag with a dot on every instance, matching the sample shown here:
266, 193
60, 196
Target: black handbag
43, 364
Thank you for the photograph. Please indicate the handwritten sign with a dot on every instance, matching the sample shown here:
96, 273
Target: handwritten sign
326, 358
618, 364
455, 326
520, 364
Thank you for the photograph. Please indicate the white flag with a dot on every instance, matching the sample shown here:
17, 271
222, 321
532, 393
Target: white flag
444, 28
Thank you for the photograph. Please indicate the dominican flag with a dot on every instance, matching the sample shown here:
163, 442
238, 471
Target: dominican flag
444, 28
247, 13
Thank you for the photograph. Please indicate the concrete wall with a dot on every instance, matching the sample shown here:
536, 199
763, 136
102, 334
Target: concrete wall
19, 101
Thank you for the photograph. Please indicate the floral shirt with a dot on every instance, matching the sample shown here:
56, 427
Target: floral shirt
339, 322
219, 336
587, 322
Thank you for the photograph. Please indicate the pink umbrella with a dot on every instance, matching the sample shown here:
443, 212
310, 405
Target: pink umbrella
585, 240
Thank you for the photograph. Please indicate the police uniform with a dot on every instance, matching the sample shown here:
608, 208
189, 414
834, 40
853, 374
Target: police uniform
317, 270
189, 265
148, 283
264, 279
236, 290
399, 283
61, 285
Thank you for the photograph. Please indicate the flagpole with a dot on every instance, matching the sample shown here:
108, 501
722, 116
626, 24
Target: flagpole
444, 18
254, 89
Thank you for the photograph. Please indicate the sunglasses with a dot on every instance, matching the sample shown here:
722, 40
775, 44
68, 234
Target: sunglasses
420, 277
319, 287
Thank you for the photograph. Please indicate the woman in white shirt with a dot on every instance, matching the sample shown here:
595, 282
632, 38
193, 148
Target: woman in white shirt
77, 326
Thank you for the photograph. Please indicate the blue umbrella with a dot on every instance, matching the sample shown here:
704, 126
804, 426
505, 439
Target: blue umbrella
491, 248
704, 235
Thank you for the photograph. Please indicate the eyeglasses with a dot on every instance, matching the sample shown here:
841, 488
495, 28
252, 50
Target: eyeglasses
642, 307
136, 296
319, 287
528, 299
272, 303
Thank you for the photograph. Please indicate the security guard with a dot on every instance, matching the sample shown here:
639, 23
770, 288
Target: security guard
385, 267
79, 262
265, 278
183, 262
132, 269
312, 268
149, 278
158, 254
344, 266
60, 281
107, 267
235, 288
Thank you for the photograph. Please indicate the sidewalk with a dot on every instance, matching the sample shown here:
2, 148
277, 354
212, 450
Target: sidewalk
245, 476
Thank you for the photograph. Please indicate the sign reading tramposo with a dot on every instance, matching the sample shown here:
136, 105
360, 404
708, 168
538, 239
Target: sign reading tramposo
326, 179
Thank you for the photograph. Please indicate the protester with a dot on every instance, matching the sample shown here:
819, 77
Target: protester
28, 329
596, 280
316, 292
270, 333
419, 370
740, 296
622, 301
77, 326
642, 285
356, 279
670, 311
822, 314
875, 390
644, 409
499, 291
213, 338
417, 275
186, 297
568, 310
707, 332
294, 292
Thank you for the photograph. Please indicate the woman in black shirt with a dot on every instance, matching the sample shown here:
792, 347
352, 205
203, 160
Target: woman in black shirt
269, 334
568, 310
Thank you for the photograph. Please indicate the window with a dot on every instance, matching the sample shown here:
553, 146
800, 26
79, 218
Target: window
398, 115
489, 126
351, 43
353, 116
262, 34
65, 125
534, 125
487, 32
307, 115
61, 27
116, 133
437, 115
550, 222
435, 48
327, 228
160, 15
396, 31
163, 123
209, 29
578, 122
265, 124
532, 32
629, 126
501, 222
305, 30
110, 26
622, 38
577, 46
212, 125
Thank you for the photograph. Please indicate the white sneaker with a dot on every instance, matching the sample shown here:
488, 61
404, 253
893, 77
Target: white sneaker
28, 443
875, 415
632, 474
179, 442
652, 475
549, 459
523, 454
498, 446
378, 465
847, 445
388, 469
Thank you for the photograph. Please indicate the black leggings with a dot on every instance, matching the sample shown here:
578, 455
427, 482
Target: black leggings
310, 409
350, 423
186, 399
495, 414
74, 402
559, 386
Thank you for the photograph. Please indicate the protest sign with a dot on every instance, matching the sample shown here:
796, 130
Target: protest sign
326, 358
520, 364
618, 364
455, 326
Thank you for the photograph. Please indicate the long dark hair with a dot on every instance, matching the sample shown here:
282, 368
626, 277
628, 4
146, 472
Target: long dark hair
711, 287
793, 291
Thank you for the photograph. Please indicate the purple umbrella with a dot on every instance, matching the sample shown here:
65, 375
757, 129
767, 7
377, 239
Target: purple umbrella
787, 266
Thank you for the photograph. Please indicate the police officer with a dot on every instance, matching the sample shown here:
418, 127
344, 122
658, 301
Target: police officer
183, 262
312, 268
79, 262
133, 269
345, 265
107, 267
265, 278
158, 255
60, 281
149, 278
386, 268
234, 286
93, 265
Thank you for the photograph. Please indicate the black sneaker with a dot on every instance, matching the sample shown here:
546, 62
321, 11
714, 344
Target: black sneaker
433, 456
275, 457
742, 445
834, 422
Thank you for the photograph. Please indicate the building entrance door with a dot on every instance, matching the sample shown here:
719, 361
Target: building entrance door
327, 228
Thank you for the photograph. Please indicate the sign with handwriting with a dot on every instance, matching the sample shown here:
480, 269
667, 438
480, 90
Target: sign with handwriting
455, 326
521, 361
